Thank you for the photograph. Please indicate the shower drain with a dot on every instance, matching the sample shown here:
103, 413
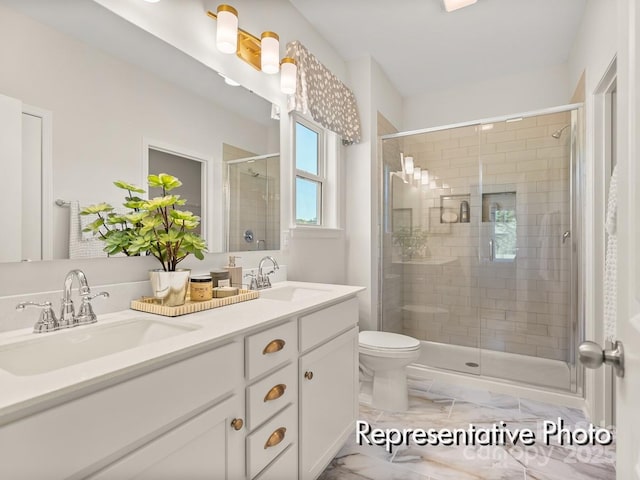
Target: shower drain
472, 364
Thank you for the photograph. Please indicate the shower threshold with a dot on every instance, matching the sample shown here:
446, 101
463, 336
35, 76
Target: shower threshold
533, 371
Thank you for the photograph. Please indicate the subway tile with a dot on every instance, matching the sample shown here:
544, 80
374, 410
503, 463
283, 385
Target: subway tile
521, 348
514, 146
542, 341
532, 132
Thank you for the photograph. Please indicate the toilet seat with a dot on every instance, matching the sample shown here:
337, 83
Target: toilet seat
386, 342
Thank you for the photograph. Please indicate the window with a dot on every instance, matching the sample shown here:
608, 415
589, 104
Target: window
310, 173
505, 228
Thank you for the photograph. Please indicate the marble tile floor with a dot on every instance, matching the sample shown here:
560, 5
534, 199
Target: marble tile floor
433, 404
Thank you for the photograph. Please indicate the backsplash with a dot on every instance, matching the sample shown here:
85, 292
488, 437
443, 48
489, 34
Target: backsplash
120, 296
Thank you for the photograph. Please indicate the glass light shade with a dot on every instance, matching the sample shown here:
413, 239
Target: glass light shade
288, 76
227, 29
424, 177
451, 5
270, 53
417, 173
408, 165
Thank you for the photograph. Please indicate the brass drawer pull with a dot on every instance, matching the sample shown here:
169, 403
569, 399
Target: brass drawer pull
275, 392
274, 346
275, 438
308, 375
237, 423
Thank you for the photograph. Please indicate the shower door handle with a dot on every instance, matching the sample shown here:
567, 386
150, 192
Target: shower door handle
593, 355
492, 251
566, 235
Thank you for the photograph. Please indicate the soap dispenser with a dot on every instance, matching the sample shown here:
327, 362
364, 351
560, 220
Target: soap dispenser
235, 272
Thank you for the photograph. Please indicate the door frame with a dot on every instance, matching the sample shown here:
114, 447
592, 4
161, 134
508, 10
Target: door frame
600, 386
211, 181
46, 199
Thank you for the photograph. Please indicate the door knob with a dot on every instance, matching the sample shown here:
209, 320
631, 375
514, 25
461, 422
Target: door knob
593, 355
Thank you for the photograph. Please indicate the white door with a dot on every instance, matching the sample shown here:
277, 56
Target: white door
628, 228
11, 165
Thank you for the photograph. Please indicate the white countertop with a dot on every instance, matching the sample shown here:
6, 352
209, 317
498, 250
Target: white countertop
22, 395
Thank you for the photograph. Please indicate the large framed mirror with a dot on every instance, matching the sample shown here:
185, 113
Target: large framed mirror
105, 111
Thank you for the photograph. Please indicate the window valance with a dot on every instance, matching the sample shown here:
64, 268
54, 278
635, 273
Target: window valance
323, 96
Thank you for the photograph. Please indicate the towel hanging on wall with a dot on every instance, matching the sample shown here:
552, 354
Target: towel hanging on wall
79, 246
611, 258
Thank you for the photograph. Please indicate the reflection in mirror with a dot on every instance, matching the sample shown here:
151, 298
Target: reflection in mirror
253, 203
191, 175
102, 101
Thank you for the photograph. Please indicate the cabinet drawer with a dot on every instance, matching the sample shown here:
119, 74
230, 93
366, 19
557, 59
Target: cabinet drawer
281, 431
271, 394
285, 467
270, 348
317, 327
80, 433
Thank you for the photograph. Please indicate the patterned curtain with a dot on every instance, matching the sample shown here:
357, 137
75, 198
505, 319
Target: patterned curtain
322, 95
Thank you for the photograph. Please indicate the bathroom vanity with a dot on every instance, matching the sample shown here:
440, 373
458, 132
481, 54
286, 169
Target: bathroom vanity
265, 389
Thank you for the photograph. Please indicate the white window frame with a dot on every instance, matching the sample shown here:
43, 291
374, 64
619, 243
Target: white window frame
320, 178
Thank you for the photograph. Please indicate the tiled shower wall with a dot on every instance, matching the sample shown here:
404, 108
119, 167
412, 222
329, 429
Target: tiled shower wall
255, 205
456, 294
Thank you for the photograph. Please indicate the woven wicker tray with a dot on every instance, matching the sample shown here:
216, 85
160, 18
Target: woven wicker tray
150, 305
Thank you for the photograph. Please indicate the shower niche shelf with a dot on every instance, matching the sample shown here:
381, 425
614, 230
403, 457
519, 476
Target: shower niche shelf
498, 201
451, 208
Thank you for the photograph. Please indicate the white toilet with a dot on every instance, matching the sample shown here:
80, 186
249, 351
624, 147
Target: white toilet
386, 355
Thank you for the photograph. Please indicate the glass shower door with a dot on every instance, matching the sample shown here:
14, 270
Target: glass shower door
429, 280
525, 276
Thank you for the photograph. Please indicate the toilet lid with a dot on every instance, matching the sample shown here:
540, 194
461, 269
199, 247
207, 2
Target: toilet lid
387, 341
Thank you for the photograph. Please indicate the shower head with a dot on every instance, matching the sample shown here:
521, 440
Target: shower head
558, 133
252, 172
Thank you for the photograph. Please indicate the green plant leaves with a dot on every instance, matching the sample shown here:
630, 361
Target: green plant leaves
153, 226
95, 209
128, 186
163, 180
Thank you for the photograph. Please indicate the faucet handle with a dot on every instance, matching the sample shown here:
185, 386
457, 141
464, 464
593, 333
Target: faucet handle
254, 280
47, 321
86, 314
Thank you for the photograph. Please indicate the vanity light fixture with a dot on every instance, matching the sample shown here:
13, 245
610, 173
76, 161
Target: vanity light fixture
424, 177
408, 165
417, 173
451, 5
270, 54
288, 76
261, 53
227, 31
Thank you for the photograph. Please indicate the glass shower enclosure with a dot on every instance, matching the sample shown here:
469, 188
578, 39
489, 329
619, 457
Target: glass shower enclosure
252, 191
480, 234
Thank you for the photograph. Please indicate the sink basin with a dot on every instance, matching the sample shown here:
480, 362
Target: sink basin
52, 351
291, 293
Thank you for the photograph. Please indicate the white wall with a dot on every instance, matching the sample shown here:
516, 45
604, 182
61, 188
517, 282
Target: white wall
499, 96
374, 93
593, 51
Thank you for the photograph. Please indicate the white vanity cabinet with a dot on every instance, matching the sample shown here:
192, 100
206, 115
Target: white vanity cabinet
132, 425
328, 384
274, 401
206, 446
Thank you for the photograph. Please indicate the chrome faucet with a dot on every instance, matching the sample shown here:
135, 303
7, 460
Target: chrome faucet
262, 279
68, 318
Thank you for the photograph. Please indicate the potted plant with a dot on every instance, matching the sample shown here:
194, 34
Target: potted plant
152, 227
411, 241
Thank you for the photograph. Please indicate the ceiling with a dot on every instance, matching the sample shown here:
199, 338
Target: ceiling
420, 46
